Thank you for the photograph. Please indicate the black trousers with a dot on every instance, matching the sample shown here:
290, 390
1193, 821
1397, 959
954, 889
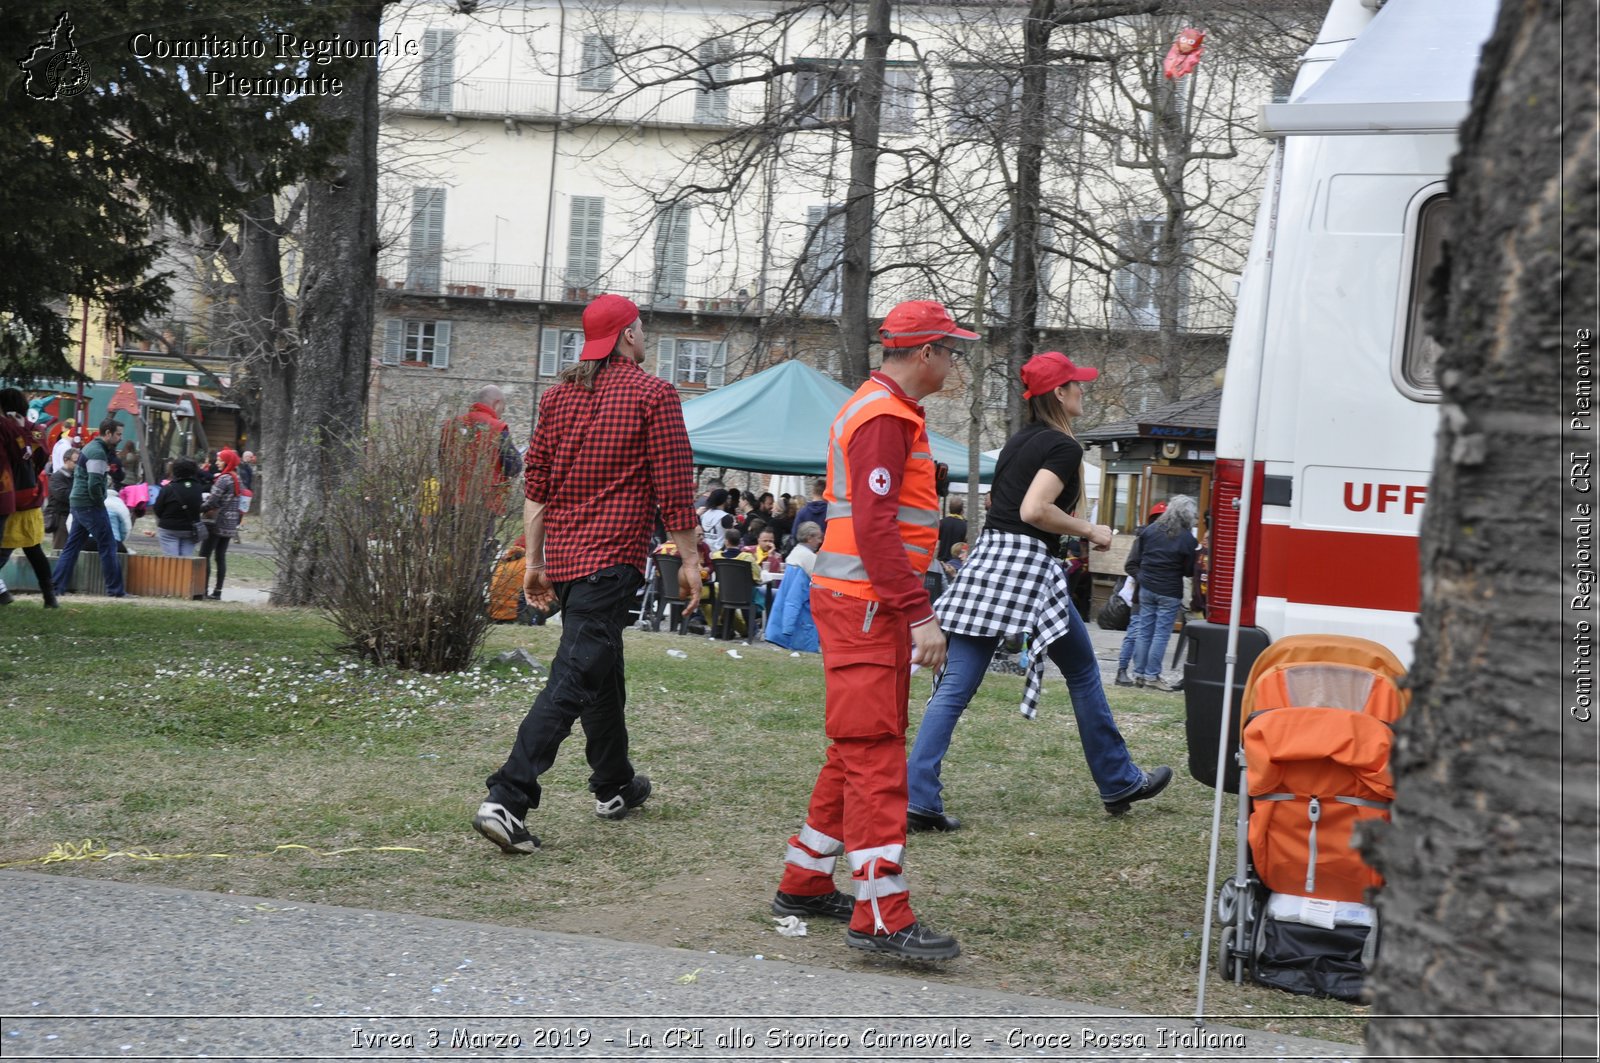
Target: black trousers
218, 545
586, 684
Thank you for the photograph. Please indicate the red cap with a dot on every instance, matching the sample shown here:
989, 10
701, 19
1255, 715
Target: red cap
1158, 509
920, 321
1045, 372
603, 321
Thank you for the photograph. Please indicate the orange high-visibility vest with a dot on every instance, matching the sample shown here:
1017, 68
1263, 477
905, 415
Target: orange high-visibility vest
839, 566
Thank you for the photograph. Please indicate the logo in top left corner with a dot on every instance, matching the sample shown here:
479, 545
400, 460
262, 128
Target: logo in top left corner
55, 68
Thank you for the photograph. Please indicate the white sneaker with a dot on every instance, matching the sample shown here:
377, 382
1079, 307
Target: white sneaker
495, 822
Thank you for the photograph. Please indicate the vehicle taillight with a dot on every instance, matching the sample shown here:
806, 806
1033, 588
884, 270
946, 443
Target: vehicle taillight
1227, 491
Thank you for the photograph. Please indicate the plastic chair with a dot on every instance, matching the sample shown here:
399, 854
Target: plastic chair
736, 589
669, 594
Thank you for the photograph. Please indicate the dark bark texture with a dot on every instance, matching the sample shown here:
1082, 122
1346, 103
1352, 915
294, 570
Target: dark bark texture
1490, 904
865, 123
313, 396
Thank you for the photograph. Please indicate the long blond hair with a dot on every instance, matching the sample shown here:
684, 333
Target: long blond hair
585, 373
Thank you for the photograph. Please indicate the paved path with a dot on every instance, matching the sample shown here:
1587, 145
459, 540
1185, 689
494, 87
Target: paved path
100, 969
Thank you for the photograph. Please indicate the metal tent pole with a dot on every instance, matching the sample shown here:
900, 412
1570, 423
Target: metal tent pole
1246, 499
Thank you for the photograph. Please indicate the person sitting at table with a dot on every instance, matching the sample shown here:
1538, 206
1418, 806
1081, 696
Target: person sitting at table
808, 540
702, 616
738, 547
766, 546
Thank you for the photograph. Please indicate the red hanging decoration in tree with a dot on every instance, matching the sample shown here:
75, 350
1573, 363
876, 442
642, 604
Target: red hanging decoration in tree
1185, 53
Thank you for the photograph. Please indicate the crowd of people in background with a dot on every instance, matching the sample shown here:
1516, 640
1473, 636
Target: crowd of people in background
91, 494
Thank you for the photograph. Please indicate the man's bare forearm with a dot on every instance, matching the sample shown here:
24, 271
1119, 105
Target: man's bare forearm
533, 532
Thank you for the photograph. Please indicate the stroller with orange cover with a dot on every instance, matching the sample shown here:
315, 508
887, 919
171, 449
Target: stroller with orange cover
1316, 734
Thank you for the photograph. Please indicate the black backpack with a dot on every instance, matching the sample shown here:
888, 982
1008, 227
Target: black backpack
1113, 616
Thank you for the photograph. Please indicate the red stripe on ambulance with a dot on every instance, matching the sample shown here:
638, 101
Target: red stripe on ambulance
1351, 569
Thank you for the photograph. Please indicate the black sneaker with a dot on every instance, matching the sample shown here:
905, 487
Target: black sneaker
631, 796
1122, 679
915, 942
1154, 783
495, 822
916, 822
835, 905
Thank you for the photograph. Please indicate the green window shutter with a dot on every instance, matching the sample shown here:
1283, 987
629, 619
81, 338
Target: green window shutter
586, 224
718, 371
427, 239
599, 64
441, 345
394, 340
672, 252
549, 352
711, 104
666, 352
438, 69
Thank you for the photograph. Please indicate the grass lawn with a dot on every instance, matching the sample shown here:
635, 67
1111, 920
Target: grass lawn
190, 728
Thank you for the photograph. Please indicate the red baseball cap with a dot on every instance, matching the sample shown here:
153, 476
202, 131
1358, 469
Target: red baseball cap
1043, 373
1158, 509
603, 321
920, 321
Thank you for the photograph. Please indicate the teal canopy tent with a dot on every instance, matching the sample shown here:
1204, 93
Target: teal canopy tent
778, 421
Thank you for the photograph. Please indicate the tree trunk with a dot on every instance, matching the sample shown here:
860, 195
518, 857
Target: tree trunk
313, 396
1490, 861
856, 274
1024, 294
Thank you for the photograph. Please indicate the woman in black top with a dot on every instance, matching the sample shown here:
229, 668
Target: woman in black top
178, 510
1012, 585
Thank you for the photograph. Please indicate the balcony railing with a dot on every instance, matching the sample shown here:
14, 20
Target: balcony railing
504, 280
676, 104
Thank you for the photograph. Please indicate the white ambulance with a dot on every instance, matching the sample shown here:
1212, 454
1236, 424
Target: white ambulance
1329, 404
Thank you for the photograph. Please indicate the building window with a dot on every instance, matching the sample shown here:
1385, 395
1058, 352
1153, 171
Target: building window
586, 225
825, 92
822, 271
986, 101
599, 70
558, 349
1000, 272
427, 239
416, 343
710, 101
438, 73
671, 253
692, 363
1136, 303
1420, 357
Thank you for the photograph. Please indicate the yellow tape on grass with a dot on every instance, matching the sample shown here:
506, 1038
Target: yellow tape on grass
89, 849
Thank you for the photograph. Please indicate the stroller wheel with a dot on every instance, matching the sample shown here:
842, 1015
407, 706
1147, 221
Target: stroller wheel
1227, 900
1227, 963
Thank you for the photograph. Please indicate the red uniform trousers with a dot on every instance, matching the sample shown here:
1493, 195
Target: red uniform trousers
859, 802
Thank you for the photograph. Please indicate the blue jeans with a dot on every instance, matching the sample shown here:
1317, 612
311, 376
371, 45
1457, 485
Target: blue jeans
176, 543
92, 520
1157, 611
1138, 627
1115, 774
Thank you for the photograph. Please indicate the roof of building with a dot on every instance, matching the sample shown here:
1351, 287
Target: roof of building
1191, 418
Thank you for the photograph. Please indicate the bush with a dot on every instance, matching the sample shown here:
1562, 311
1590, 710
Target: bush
411, 539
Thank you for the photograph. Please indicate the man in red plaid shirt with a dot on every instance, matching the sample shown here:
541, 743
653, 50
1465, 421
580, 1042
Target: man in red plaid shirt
609, 449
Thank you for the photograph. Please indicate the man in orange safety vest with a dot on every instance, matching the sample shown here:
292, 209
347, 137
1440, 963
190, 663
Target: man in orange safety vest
874, 620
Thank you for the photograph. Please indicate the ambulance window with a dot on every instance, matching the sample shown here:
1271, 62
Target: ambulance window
1422, 350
